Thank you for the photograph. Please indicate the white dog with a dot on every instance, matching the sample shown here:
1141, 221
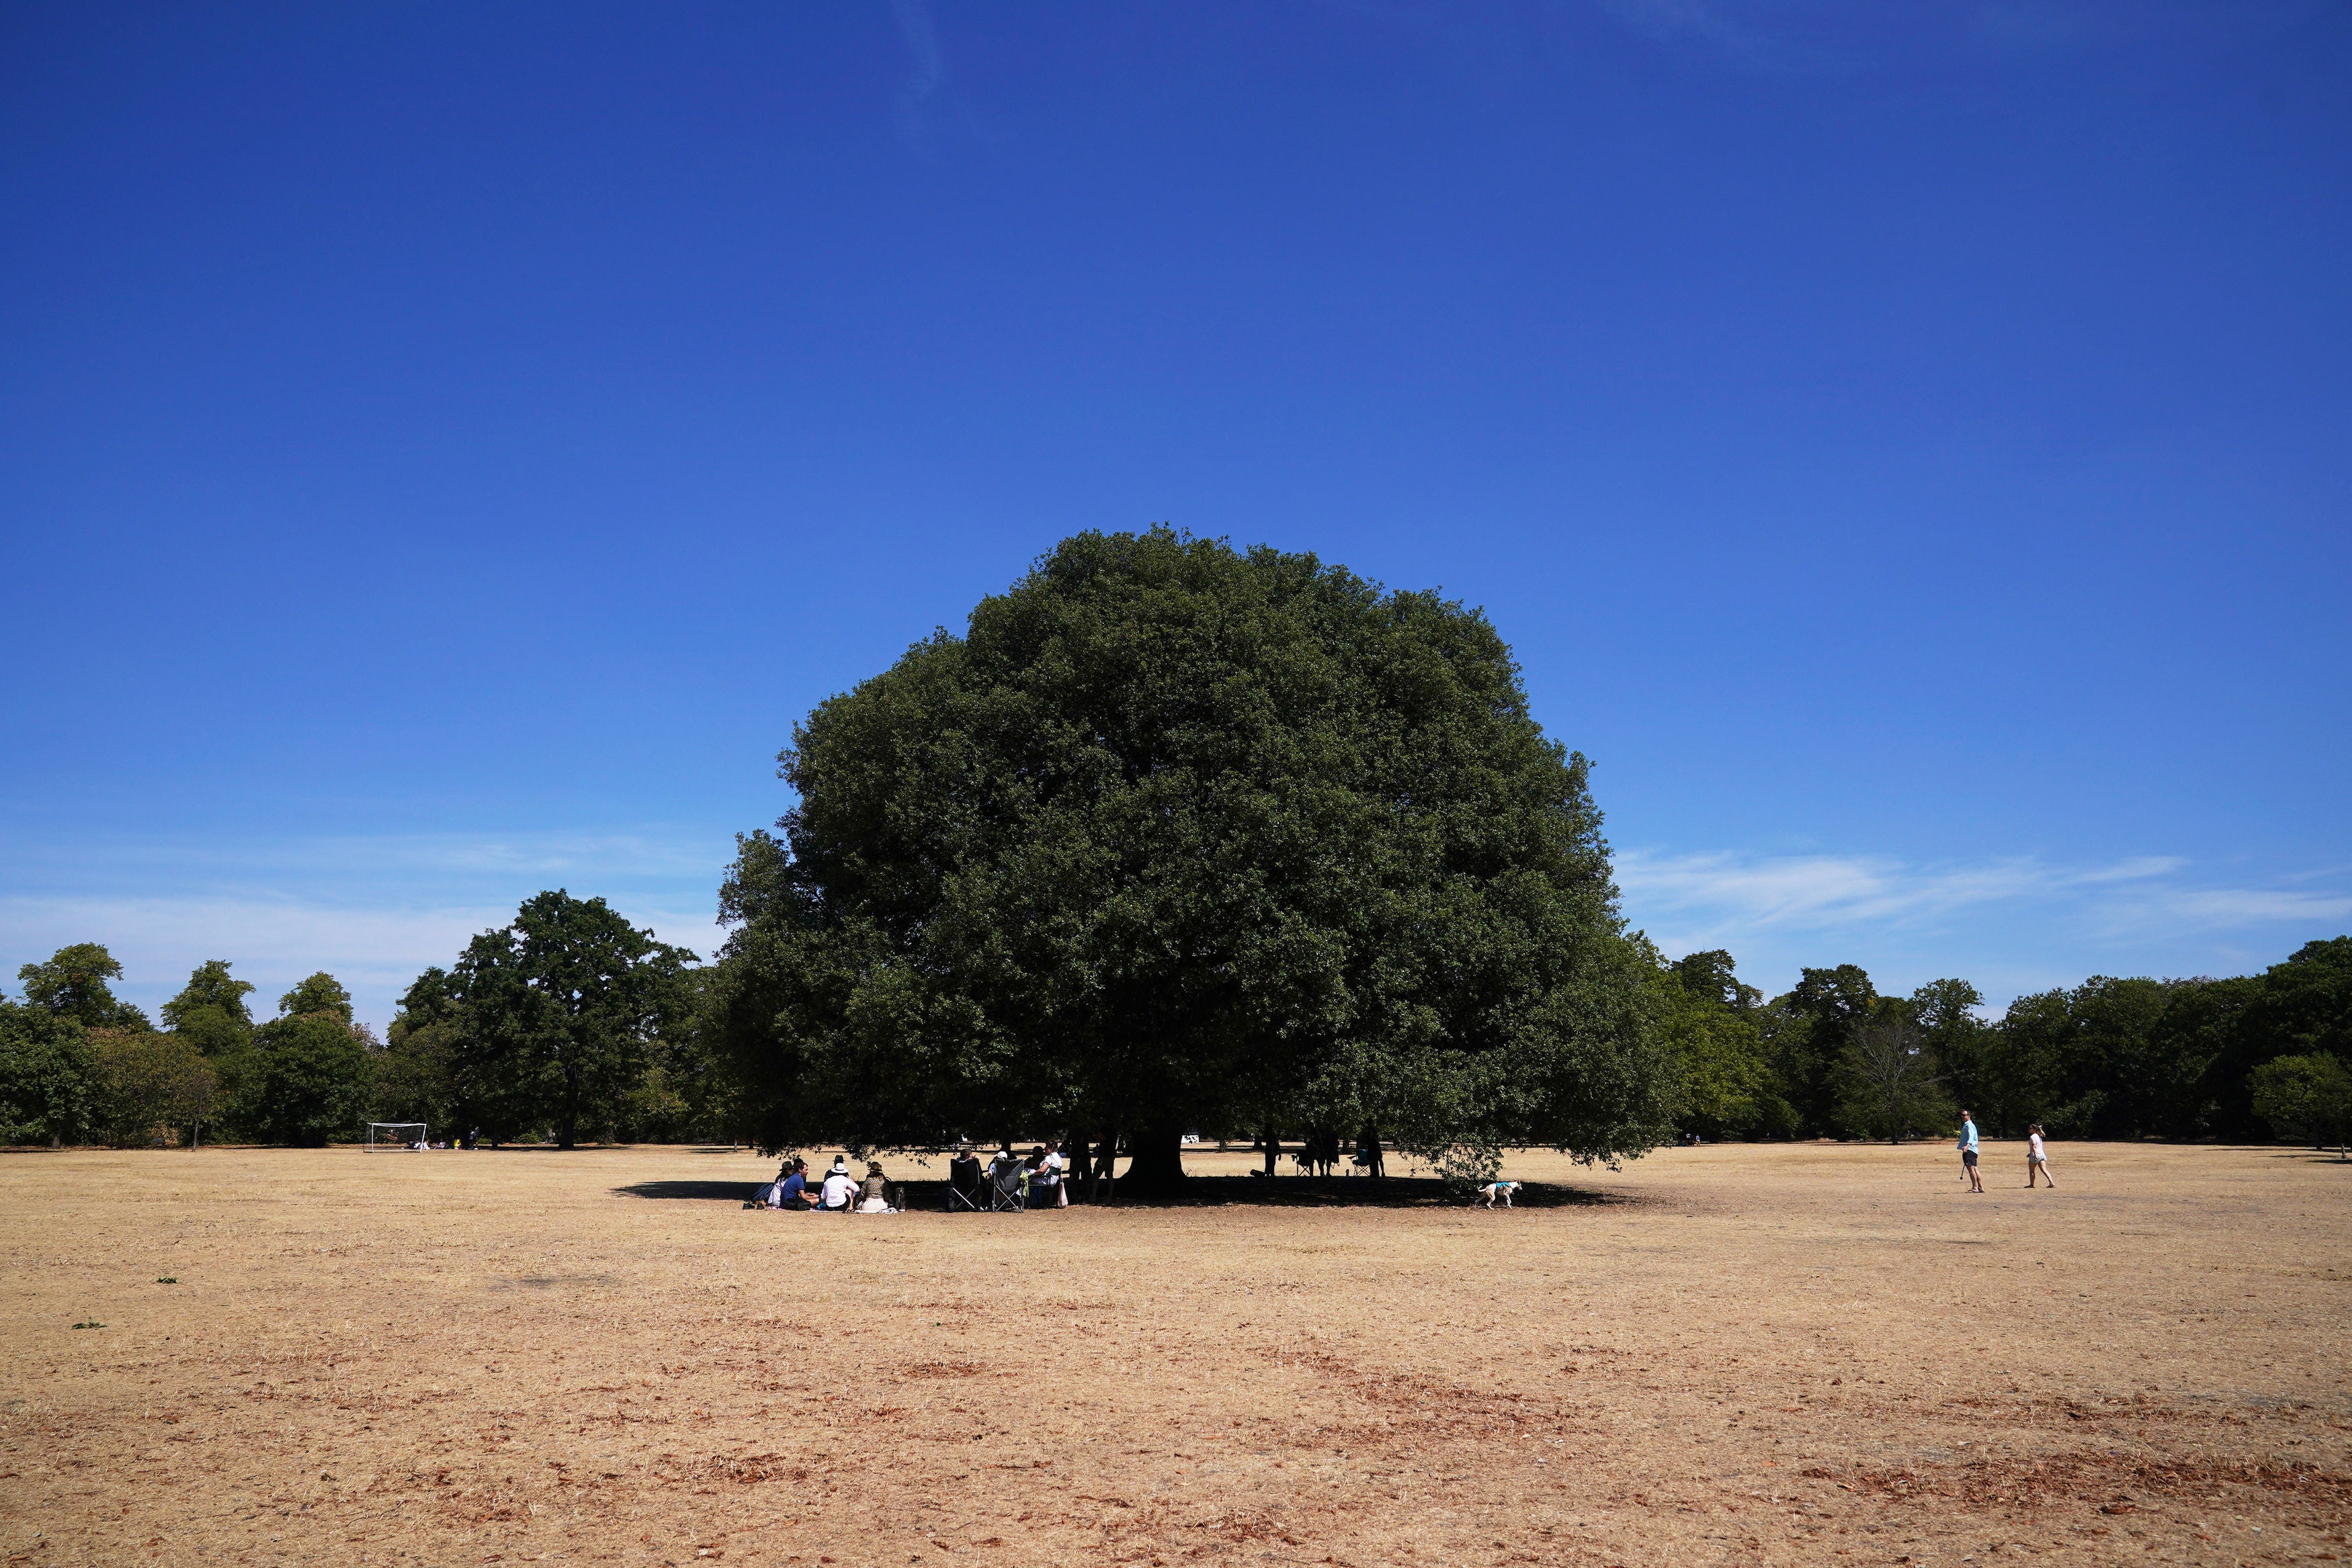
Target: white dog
1502, 1190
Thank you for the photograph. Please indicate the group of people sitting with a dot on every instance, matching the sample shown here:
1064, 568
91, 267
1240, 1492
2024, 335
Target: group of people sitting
1034, 1181
1038, 1179
837, 1192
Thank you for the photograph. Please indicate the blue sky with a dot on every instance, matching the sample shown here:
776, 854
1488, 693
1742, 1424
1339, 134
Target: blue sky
443, 450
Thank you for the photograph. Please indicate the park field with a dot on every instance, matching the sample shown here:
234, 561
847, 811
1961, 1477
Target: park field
1817, 1355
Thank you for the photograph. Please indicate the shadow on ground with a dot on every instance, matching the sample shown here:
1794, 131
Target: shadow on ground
708, 1191
1200, 1192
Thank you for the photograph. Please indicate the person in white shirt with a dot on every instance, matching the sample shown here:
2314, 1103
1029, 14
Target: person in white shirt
1055, 1168
840, 1188
2036, 1159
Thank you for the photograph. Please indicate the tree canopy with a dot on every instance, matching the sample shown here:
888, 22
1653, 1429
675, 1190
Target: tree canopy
210, 1011
319, 993
551, 1022
1178, 836
304, 1080
72, 984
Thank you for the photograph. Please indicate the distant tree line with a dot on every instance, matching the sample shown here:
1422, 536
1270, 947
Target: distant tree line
2240, 1058
567, 1026
571, 1026
76, 1064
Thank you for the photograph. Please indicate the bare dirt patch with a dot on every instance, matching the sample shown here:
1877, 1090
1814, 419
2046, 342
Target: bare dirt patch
1808, 1354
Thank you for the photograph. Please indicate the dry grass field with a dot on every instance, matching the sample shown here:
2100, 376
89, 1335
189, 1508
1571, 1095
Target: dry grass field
1811, 1354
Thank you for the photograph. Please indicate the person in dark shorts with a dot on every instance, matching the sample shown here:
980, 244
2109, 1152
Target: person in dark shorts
1969, 1152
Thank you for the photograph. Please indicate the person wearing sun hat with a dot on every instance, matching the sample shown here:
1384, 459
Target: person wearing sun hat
840, 1191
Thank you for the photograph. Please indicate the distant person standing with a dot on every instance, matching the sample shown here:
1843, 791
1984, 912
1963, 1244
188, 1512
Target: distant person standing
1969, 1152
2037, 1159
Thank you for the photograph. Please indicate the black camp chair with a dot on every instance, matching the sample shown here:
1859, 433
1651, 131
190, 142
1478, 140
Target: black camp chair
1008, 1188
967, 1186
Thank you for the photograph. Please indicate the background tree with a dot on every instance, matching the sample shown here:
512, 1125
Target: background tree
2298, 1007
2306, 1097
308, 1076
419, 1076
1705, 1022
1180, 837
1943, 1012
73, 984
2201, 1033
1889, 1085
48, 1076
558, 1016
149, 1086
210, 1012
1804, 1033
305, 1081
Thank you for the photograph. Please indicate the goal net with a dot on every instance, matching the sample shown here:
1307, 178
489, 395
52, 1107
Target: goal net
394, 1135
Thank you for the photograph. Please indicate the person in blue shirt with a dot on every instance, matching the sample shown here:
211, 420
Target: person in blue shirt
791, 1192
1969, 1153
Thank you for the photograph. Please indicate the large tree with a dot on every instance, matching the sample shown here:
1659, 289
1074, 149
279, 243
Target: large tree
554, 1018
1180, 837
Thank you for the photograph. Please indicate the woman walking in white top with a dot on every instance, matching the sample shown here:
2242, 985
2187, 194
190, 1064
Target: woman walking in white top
2036, 1161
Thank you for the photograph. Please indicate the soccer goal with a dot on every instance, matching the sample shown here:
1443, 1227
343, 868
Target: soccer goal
395, 1135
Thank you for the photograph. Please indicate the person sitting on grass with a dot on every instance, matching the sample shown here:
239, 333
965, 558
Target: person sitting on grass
839, 1192
874, 1193
790, 1192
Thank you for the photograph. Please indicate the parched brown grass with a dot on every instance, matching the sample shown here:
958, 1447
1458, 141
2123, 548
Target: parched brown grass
1811, 1354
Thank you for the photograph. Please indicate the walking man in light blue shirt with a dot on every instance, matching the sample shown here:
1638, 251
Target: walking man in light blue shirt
1969, 1152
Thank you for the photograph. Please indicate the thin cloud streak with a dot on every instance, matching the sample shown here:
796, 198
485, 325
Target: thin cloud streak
2020, 921
928, 70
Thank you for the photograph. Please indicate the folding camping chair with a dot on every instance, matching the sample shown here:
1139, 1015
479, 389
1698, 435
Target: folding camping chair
1008, 1188
967, 1187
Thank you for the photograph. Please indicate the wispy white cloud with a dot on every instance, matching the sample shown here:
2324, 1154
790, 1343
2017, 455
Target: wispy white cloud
926, 71
1680, 18
1846, 36
2020, 921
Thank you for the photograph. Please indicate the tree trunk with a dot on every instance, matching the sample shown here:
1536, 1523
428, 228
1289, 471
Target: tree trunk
1158, 1169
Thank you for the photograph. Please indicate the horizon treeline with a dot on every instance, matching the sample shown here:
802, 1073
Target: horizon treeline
2235, 1060
570, 1025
